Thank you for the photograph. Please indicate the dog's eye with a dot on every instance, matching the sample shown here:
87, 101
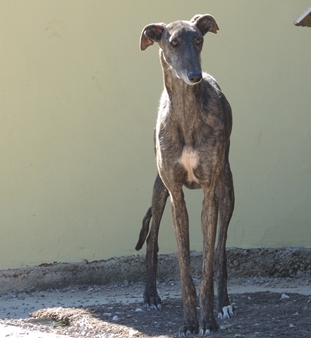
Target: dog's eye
198, 41
174, 42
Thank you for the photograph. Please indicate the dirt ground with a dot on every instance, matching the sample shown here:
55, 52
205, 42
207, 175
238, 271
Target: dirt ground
270, 289
261, 314
265, 307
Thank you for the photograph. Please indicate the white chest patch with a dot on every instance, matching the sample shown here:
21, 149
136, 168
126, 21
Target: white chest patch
189, 160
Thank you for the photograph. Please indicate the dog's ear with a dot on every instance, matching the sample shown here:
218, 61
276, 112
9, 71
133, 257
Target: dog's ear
150, 34
205, 23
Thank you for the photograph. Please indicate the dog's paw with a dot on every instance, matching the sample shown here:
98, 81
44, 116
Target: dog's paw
153, 303
208, 327
189, 330
204, 332
226, 312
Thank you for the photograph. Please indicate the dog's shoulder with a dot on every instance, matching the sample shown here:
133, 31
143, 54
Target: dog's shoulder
210, 88
211, 81
213, 95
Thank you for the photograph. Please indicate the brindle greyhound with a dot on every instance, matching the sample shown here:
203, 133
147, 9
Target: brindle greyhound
192, 148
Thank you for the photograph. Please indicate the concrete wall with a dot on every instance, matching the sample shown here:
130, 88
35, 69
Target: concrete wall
78, 106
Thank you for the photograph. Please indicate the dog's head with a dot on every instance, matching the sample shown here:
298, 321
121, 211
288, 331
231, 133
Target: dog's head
180, 44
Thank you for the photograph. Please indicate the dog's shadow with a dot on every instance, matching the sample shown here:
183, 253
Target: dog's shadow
259, 314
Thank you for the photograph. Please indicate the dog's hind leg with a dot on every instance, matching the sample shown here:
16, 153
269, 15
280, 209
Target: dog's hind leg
225, 195
159, 197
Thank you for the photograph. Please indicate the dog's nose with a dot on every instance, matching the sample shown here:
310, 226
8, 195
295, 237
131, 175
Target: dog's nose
195, 77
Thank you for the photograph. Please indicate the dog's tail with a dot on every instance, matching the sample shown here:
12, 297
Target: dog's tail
144, 230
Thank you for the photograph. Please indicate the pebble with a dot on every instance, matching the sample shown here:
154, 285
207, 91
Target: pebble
284, 296
15, 307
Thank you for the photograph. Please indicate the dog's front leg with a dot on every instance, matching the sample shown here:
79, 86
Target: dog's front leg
181, 228
209, 225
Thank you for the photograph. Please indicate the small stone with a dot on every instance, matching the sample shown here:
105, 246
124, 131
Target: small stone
284, 296
235, 263
132, 332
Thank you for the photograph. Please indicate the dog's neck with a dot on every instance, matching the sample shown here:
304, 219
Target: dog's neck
185, 103
182, 95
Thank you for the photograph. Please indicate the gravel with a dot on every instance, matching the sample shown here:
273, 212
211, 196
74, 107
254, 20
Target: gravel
46, 314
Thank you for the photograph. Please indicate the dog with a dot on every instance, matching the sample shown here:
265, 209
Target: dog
192, 141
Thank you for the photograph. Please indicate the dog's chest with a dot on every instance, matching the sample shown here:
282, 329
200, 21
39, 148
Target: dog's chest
189, 160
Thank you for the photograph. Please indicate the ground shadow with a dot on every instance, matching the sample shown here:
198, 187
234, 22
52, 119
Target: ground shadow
261, 314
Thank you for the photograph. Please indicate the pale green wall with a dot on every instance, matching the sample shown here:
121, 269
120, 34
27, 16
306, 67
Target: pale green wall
78, 106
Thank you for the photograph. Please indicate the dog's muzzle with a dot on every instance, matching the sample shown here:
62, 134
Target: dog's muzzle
195, 77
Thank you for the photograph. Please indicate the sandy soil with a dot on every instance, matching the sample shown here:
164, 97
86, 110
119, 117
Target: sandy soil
265, 307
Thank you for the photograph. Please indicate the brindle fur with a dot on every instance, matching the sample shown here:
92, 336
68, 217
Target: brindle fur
194, 121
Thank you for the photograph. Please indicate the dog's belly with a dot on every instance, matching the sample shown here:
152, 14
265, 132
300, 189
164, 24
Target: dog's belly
189, 160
